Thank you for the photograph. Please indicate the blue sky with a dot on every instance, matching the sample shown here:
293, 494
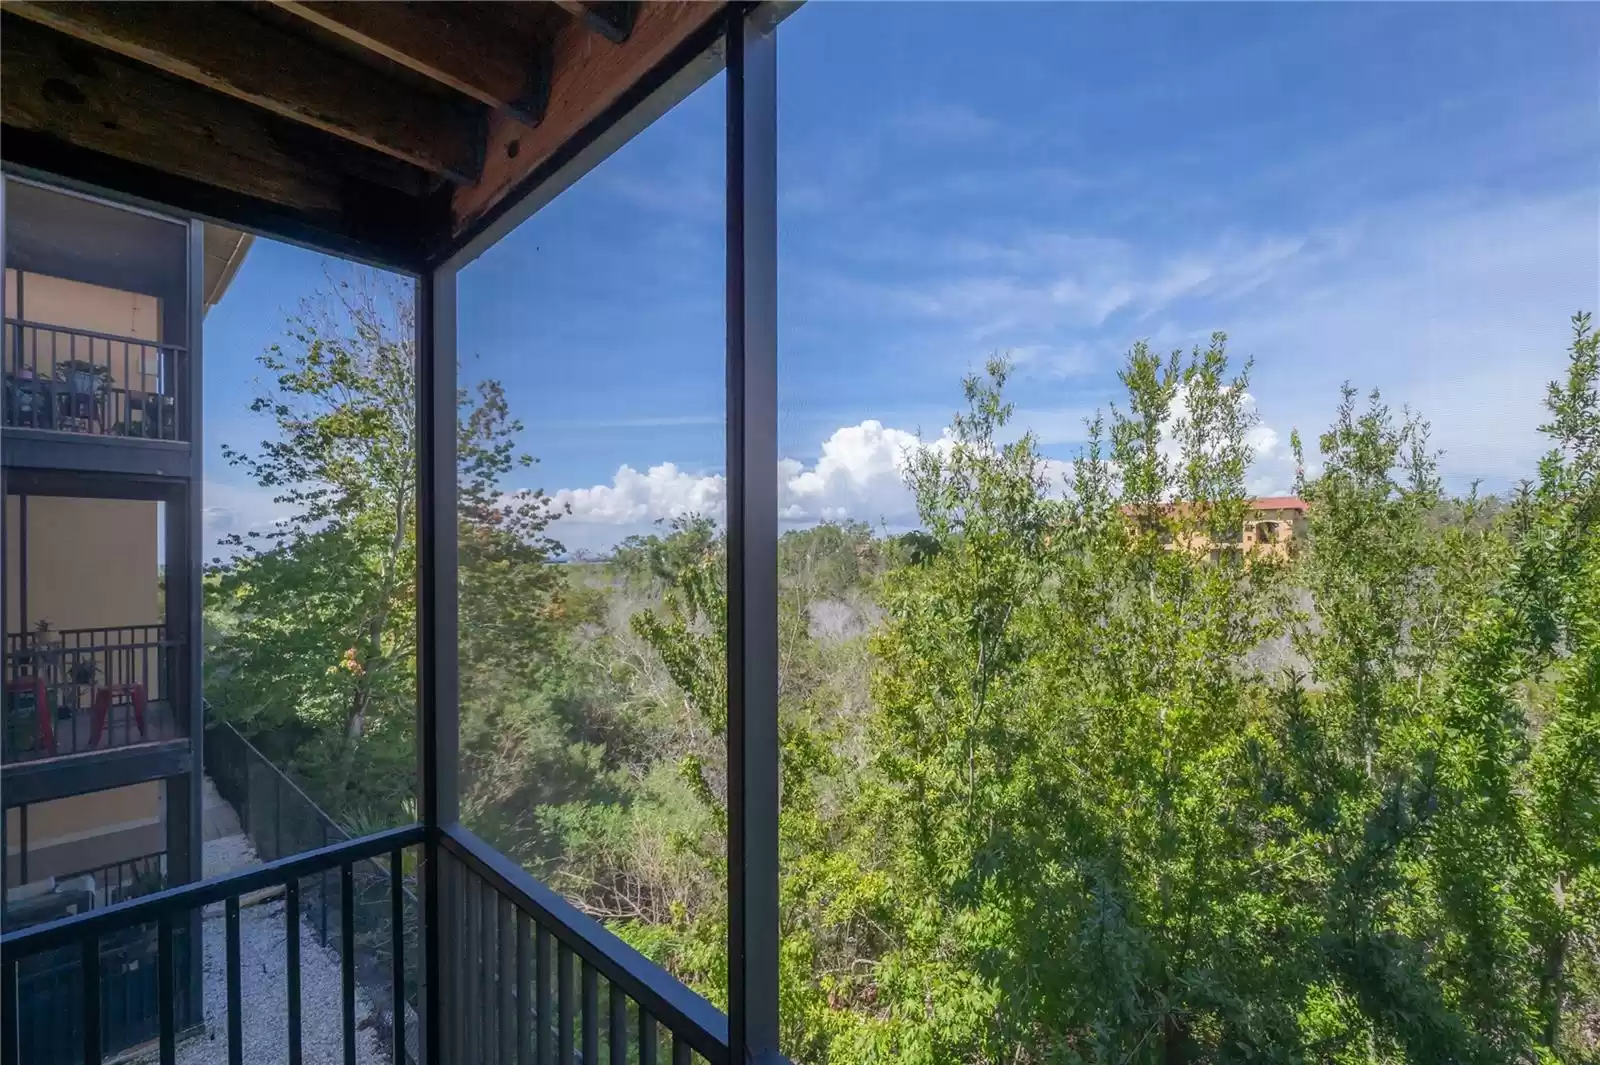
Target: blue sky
1403, 196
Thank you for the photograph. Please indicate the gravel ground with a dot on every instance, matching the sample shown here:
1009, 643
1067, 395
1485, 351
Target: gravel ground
263, 990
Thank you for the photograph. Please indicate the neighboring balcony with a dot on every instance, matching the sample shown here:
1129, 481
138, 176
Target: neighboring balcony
76, 399
69, 691
88, 709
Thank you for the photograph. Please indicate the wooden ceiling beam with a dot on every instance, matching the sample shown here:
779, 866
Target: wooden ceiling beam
588, 79
501, 70
88, 114
230, 52
53, 85
611, 19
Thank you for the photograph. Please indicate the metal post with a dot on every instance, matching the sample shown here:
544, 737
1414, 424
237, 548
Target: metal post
22, 567
437, 708
752, 537
188, 832
8, 984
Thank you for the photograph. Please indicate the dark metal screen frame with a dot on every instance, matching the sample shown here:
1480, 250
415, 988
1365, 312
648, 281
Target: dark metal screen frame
747, 33
8, 991
438, 710
752, 534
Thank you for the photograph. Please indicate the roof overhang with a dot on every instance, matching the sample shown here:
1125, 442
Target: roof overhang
398, 133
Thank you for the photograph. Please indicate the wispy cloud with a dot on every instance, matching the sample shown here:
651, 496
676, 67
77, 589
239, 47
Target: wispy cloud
946, 122
1457, 309
1012, 291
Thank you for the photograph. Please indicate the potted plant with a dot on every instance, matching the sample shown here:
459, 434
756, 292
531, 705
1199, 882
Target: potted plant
86, 386
83, 377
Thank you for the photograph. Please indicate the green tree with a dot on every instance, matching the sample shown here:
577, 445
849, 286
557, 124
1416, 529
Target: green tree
1069, 741
314, 623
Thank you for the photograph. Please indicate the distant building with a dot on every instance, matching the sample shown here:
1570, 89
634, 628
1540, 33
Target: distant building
1271, 525
1274, 523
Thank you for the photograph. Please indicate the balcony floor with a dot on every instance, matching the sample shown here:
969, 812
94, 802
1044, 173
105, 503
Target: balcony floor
72, 734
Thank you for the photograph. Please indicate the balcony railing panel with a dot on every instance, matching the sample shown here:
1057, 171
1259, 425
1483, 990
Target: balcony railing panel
74, 690
529, 978
155, 926
524, 976
80, 381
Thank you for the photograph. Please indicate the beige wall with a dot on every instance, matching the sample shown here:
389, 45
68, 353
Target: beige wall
85, 831
74, 304
91, 563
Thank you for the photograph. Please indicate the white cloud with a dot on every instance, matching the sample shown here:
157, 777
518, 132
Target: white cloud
859, 475
660, 493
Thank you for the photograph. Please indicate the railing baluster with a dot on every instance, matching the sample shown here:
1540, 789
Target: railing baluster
647, 1037
488, 914
10, 1025
619, 1023
291, 923
457, 946
591, 1015
564, 1002
506, 927
235, 992
347, 957
471, 945
397, 952
166, 993
524, 991
91, 1001
484, 949
543, 1015
680, 1050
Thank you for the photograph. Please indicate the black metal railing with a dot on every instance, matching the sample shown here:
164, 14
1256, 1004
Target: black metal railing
129, 879
73, 690
88, 888
275, 813
156, 927
523, 976
49, 984
281, 820
526, 977
81, 381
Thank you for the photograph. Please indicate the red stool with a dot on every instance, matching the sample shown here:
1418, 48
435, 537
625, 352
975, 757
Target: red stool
35, 685
102, 707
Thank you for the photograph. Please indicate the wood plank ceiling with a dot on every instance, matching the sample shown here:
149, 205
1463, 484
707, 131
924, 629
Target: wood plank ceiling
385, 130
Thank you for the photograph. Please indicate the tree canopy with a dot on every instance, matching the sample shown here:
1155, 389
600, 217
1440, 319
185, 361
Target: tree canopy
1071, 773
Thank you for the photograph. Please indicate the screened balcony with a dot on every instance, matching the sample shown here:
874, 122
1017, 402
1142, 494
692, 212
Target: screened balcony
79, 381
463, 122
